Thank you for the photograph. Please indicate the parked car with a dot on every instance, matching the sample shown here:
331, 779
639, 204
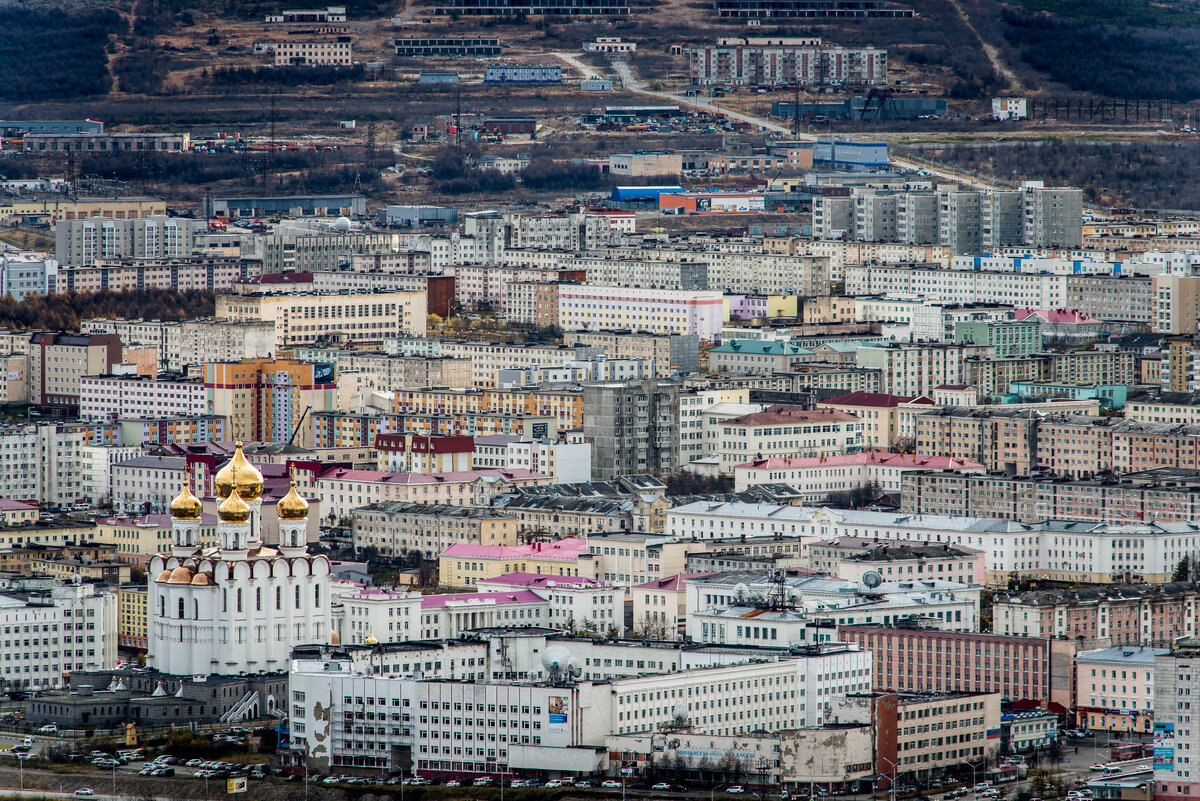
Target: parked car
454, 783
49, 728
585, 784
553, 783
611, 784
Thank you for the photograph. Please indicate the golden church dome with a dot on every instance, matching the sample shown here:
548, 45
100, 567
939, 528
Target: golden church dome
371, 639
186, 506
180, 575
292, 506
241, 474
233, 509
164, 576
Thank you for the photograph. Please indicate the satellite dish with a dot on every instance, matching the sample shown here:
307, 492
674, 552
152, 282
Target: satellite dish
741, 591
554, 659
574, 668
872, 579
341, 224
793, 595
680, 712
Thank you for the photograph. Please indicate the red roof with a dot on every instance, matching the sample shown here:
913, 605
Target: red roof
674, 583
792, 414
880, 399
398, 442
286, 278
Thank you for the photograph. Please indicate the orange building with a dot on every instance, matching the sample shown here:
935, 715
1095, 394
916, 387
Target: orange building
565, 406
270, 400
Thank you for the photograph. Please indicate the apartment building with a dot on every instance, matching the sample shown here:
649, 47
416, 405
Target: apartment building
672, 353
49, 210
217, 340
304, 319
565, 406
1139, 614
633, 427
137, 537
58, 362
1164, 496
785, 432
345, 489
85, 242
917, 659
268, 400
659, 311
919, 369
146, 484
27, 273
464, 565
215, 273
107, 397
757, 356
297, 248
395, 529
76, 630
336, 52
817, 478
894, 560
760, 61
1114, 688
880, 414
1176, 737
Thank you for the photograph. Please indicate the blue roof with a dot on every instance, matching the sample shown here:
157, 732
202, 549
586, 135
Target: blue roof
623, 193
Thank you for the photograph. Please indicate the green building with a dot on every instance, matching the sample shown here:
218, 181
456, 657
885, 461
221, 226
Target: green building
1009, 337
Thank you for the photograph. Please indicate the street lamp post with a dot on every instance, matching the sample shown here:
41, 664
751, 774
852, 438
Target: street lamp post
895, 776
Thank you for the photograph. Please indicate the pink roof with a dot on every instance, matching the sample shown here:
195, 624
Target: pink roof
674, 582
570, 549
515, 597
539, 580
1055, 315
9, 505
461, 476
883, 458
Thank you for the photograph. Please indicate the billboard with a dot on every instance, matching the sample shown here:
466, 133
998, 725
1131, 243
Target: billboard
1164, 746
322, 373
557, 709
237, 784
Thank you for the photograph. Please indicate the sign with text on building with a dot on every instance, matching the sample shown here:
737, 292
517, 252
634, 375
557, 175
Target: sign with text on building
557, 708
1164, 746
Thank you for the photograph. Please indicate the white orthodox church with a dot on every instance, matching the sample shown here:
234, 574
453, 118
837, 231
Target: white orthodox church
240, 607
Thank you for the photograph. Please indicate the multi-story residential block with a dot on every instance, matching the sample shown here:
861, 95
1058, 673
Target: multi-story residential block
136, 538
298, 248
267, 400
658, 311
918, 369
76, 630
673, 354
146, 484
85, 242
345, 489
633, 427
919, 659
215, 273
304, 319
58, 362
132, 616
879, 412
335, 52
1176, 737
217, 340
464, 565
741, 61
396, 529
66, 208
105, 397
565, 406
1114, 688
818, 478
785, 432
1164, 496
577, 604
894, 560
1152, 615
24, 274
1010, 338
